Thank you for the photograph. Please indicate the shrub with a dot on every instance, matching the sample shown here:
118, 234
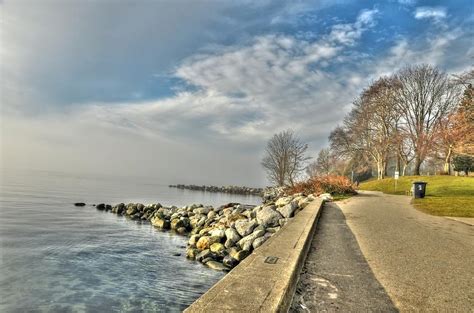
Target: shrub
333, 184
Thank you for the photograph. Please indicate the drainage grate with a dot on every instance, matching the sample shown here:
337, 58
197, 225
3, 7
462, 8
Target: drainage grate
271, 259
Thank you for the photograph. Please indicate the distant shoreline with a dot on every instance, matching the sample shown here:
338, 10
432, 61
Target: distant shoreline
242, 190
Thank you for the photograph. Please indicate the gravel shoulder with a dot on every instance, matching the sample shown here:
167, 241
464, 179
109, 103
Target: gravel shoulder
336, 275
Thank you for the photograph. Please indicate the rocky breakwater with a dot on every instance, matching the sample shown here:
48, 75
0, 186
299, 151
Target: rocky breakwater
218, 237
242, 190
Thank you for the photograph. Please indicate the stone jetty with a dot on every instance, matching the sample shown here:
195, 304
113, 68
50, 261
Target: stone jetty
242, 190
218, 237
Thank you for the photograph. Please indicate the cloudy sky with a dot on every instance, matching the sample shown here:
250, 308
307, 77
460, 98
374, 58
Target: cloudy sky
190, 91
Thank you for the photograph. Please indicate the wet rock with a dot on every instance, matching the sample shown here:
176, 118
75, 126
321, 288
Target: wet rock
193, 240
79, 204
268, 216
100, 206
181, 230
203, 255
176, 223
160, 223
230, 261
191, 253
245, 227
241, 255
217, 266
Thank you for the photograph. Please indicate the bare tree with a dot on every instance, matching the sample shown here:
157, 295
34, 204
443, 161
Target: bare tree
284, 158
323, 165
425, 97
369, 128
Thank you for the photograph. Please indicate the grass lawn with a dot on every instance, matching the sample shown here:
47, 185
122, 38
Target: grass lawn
445, 195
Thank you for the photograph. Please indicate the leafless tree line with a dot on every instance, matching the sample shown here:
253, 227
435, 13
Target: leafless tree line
403, 119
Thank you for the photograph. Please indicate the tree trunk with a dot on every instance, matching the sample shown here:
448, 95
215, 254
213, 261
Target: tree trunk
447, 161
418, 162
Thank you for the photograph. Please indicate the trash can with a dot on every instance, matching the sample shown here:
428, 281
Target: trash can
419, 189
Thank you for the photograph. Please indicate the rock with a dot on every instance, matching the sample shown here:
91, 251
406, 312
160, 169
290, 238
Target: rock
233, 251
120, 208
230, 261
282, 221
181, 230
260, 240
217, 233
100, 206
191, 253
176, 254
203, 255
268, 217
108, 207
304, 202
160, 223
288, 210
204, 210
326, 196
283, 201
176, 223
211, 215
246, 242
206, 241
79, 204
217, 266
193, 240
131, 210
217, 248
232, 235
245, 227
273, 229
241, 255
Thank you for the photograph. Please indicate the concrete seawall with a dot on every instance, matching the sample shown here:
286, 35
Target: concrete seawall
266, 280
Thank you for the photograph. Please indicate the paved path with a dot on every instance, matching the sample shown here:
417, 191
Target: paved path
424, 262
336, 276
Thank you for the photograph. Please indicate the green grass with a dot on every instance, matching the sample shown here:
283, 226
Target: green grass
445, 195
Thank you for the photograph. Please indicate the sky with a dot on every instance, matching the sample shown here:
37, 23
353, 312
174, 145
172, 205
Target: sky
190, 91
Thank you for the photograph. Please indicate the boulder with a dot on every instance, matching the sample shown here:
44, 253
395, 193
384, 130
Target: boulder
246, 242
217, 233
217, 266
193, 240
283, 201
245, 227
176, 223
232, 235
191, 253
241, 255
203, 255
160, 223
206, 241
268, 216
181, 230
230, 261
217, 248
100, 206
79, 204
288, 210
260, 240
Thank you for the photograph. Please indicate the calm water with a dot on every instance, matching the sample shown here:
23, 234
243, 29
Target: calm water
59, 258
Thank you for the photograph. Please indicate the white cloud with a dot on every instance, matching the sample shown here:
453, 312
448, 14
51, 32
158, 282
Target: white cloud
436, 13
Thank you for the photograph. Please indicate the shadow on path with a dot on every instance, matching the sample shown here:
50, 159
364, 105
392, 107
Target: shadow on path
336, 275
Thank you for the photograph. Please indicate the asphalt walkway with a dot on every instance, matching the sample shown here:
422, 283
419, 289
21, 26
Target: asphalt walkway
424, 262
336, 276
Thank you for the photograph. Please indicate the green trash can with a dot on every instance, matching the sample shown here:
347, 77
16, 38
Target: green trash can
419, 189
